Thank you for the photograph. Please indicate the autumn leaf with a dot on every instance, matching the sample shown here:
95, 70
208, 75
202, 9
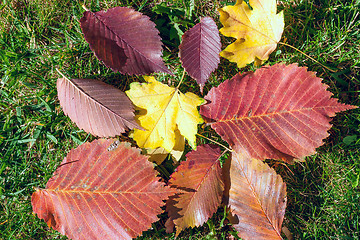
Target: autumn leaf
125, 40
279, 112
199, 50
257, 31
158, 155
167, 109
96, 107
257, 197
200, 179
102, 190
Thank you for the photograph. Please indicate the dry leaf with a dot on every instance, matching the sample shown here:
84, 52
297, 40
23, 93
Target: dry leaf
199, 50
257, 197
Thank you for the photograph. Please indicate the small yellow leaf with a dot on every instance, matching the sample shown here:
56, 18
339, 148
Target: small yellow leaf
167, 109
257, 31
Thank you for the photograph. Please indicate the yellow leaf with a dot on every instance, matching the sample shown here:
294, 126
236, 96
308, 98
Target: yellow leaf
158, 155
167, 109
257, 31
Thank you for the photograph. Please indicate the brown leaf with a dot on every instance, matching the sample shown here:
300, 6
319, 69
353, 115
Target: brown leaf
96, 107
200, 179
279, 112
199, 50
101, 192
258, 198
125, 40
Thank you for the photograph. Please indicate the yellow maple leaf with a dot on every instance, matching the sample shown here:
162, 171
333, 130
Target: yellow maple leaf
167, 109
257, 31
158, 155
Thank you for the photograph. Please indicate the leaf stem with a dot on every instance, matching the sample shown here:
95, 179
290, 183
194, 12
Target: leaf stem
228, 149
182, 78
61, 73
85, 8
290, 46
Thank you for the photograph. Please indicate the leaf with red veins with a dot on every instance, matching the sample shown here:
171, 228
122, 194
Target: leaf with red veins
102, 190
278, 112
200, 180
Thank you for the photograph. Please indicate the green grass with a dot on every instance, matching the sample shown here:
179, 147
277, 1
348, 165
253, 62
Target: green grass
37, 37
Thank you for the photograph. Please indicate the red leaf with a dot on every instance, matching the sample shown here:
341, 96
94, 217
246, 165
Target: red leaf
96, 107
200, 179
258, 198
102, 190
125, 40
199, 50
279, 112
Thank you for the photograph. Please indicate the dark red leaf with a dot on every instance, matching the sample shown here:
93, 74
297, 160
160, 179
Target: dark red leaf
200, 179
279, 112
125, 40
257, 197
96, 107
102, 190
199, 50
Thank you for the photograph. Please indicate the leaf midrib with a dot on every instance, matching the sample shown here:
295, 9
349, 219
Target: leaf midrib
176, 90
270, 114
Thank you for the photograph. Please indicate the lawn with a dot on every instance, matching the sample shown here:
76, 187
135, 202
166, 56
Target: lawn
38, 37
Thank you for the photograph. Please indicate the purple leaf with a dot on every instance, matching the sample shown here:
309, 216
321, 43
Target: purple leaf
125, 40
199, 50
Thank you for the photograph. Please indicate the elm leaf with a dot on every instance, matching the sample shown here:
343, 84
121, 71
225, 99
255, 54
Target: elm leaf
96, 107
257, 197
279, 112
201, 182
125, 40
199, 50
102, 190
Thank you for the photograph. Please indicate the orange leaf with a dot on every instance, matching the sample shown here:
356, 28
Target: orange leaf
101, 190
200, 179
258, 198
